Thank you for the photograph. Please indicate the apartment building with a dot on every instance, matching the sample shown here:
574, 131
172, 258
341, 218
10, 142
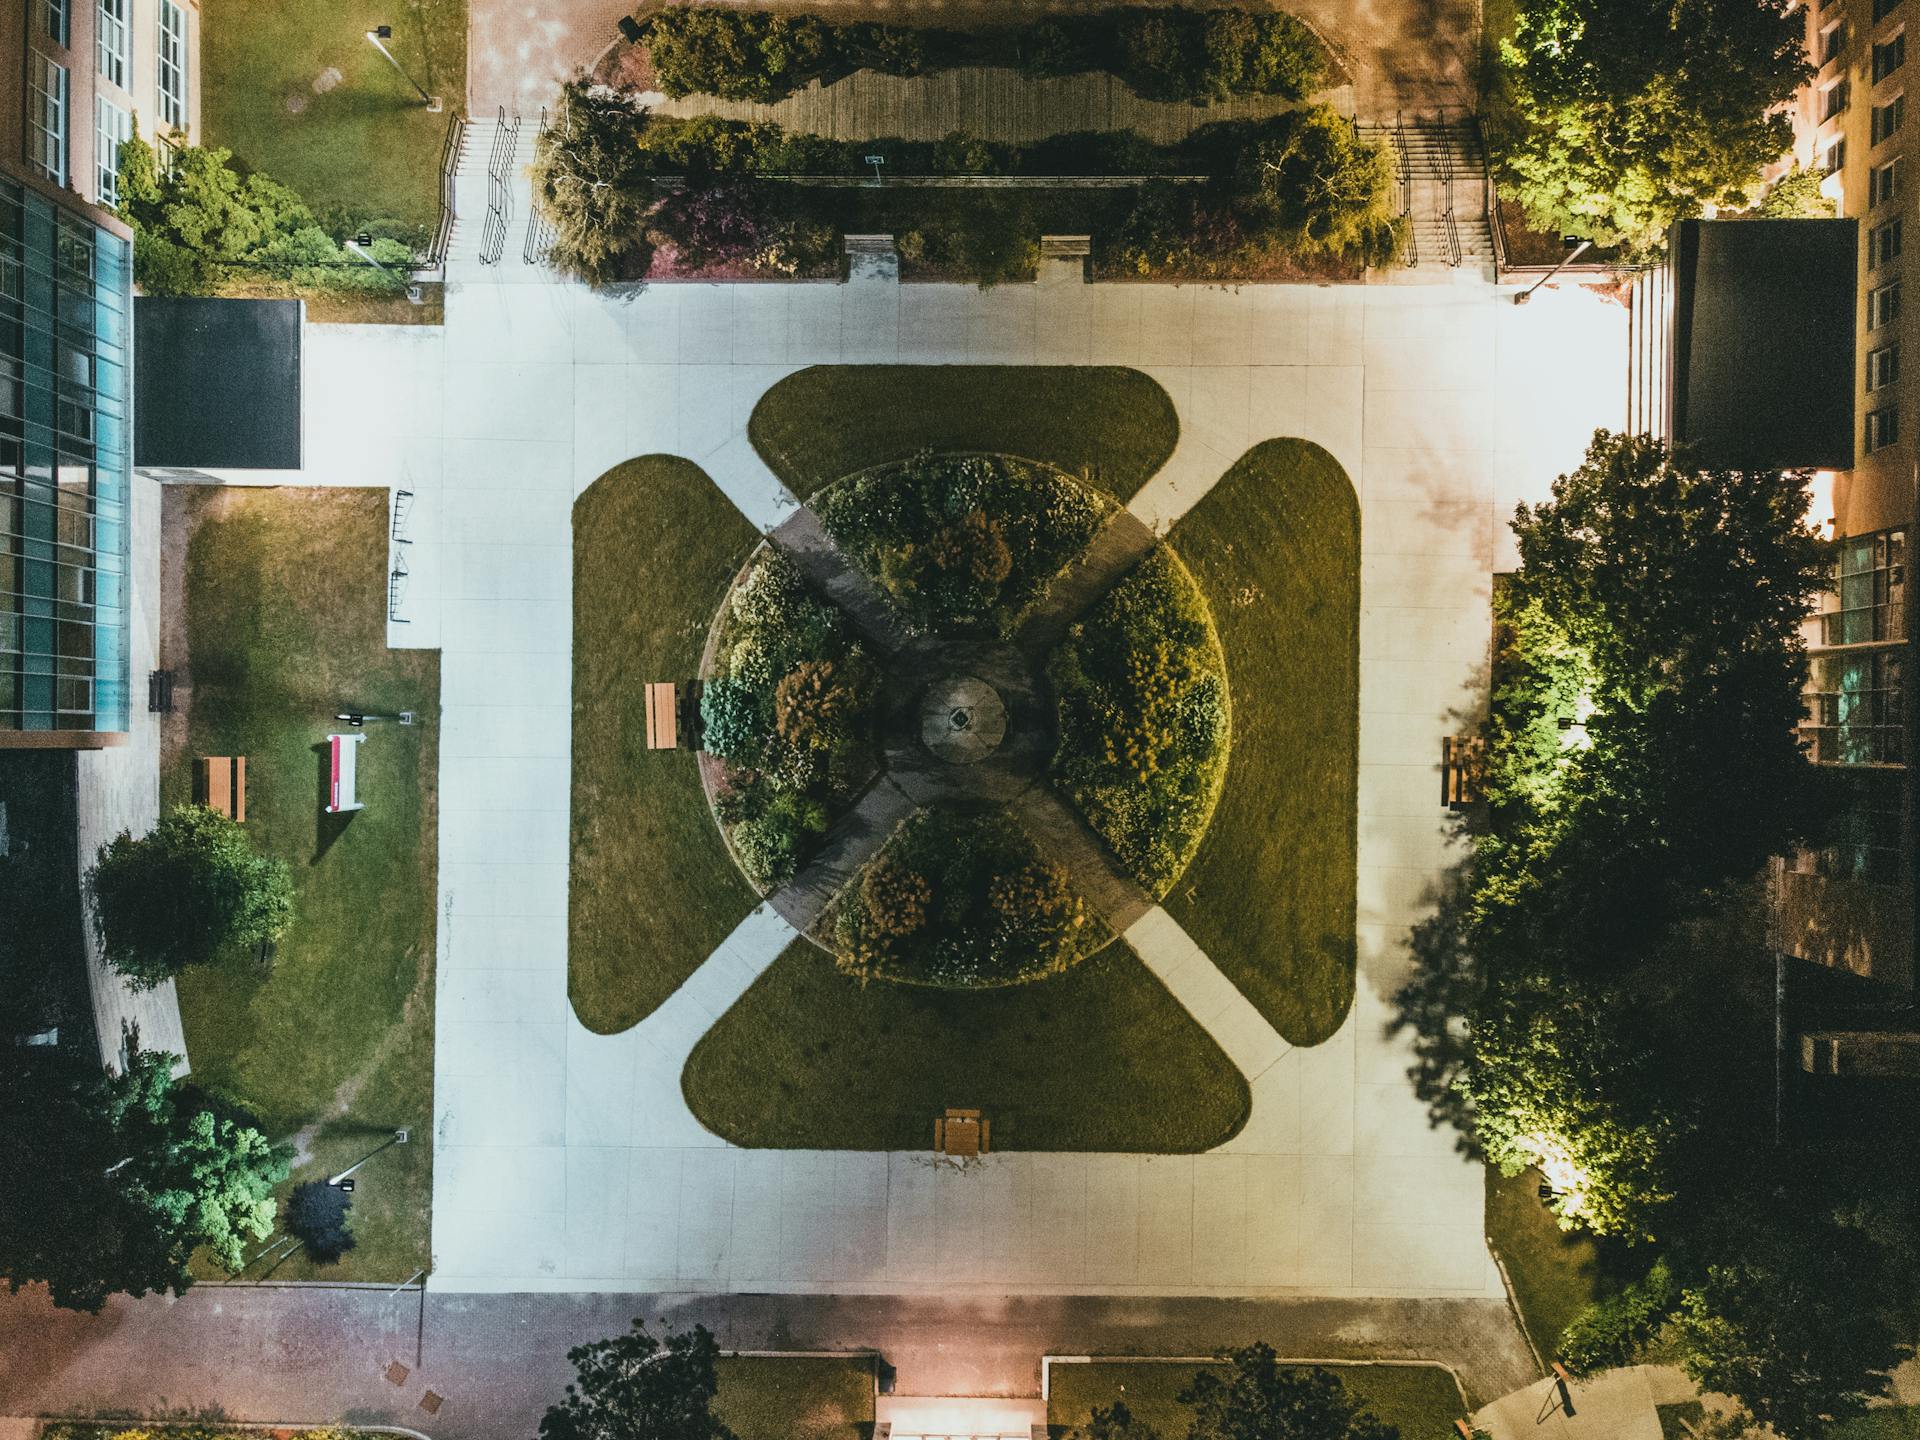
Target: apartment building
1851, 905
88, 71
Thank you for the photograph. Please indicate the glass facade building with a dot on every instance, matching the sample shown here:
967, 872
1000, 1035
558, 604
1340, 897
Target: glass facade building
66, 289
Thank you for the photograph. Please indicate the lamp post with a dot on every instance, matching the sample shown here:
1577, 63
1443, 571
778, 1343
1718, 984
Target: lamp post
1575, 249
399, 1138
360, 246
378, 37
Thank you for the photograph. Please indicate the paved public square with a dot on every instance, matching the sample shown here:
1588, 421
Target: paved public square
568, 1160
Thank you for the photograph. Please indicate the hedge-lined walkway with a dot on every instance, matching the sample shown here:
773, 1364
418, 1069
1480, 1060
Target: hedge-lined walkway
989, 104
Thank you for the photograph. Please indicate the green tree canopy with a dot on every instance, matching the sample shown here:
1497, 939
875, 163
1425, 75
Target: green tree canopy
115, 1180
593, 182
1259, 1399
1631, 114
636, 1387
185, 893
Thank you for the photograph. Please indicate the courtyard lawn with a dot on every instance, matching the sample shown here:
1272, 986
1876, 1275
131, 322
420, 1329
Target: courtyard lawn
1555, 1274
653, 889
796, 1397
293, 88
1101, 1058
1270, 893
1421, 1401
284, 621
1113, 426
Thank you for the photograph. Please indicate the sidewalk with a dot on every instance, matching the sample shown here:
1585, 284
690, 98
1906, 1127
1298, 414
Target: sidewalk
1615, 1405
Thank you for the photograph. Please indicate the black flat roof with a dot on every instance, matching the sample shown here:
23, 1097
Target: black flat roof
1761, 370
216, 383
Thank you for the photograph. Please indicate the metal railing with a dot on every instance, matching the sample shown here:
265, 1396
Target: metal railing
397, 549
449, 170
1496, 230
1449, 229
493, 235
1406, 187
539, 232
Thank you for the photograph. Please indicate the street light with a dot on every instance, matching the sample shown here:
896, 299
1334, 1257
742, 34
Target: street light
1575, 247
359, 246
377, 37
399, 1138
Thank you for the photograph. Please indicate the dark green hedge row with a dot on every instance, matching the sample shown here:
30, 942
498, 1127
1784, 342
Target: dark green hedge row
1162, 53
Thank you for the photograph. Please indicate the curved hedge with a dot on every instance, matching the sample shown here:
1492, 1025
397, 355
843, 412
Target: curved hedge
1144, 718
962, 901
1160, 52
789, 711
962, 544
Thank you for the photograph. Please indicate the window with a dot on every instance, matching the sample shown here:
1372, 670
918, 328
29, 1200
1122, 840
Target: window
47, 116
1883, 428
1889, 56
112, 126
113, 38
1883, 306
1868, 600
1856, 710
173, 65
1883, 182
1834, 156
1831, 40
53, 18
1884, 8
1833, 99
1883, 243
1883, 367
1888, 118
1866, 831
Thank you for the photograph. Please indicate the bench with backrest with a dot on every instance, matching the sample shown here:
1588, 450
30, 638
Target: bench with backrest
221, 784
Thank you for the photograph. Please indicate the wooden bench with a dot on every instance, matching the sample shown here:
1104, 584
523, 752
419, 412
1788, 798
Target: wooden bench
220, 783
1463, 769
663, 716
962, 1134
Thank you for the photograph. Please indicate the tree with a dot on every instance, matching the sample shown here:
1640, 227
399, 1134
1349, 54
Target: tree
592, 180
318, 1216
1115, 1422
1262, 1400
635, 1387
1631, 114
185, 893
1327, 189
115, 1180
1796, 195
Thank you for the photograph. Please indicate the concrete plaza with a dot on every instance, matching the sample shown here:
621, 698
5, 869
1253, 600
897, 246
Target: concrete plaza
569, 1161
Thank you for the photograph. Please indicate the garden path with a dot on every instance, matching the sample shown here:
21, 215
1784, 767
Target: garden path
568, 1161
822, 561
1121, 543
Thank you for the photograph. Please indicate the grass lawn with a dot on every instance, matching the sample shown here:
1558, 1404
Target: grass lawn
1113, 426
1555, 1275
293, 88
1270, 893
284, 622
796, 1398
1422, 1401
1101, 1058
653, 890
1893, 1422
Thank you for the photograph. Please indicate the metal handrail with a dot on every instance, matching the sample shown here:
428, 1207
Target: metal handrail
449, 170
539, 232
1406, 187
493, 237
1449, 228
1494, 226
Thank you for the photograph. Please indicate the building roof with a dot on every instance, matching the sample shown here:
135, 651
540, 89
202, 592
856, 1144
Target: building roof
216, 383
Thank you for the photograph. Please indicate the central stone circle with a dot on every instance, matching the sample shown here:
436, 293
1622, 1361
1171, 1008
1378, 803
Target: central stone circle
962, 719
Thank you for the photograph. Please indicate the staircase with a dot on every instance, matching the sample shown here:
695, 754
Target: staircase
493, 201
1443, 188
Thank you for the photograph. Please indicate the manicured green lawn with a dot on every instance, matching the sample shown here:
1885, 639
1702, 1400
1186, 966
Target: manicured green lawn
294, 88
653, 890
1555, 1274
1270, 893
796, 1398
1112, 426
1422, 1401
1895, 1422
1101, 1058
285, 622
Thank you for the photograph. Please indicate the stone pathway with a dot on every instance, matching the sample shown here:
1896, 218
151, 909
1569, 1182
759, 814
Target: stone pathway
1120, 544
853, 841
822, 561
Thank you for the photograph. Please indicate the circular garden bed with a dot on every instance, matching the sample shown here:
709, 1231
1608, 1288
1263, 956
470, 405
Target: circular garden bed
1122, 710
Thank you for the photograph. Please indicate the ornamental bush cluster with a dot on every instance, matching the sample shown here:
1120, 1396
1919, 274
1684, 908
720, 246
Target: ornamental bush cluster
1144, 718
1162, 53
960, 900
964, 544
1298, 186
789, 709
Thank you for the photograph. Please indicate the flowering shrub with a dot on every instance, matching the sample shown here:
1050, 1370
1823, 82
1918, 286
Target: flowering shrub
960, 901
963, 544
1143, 717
